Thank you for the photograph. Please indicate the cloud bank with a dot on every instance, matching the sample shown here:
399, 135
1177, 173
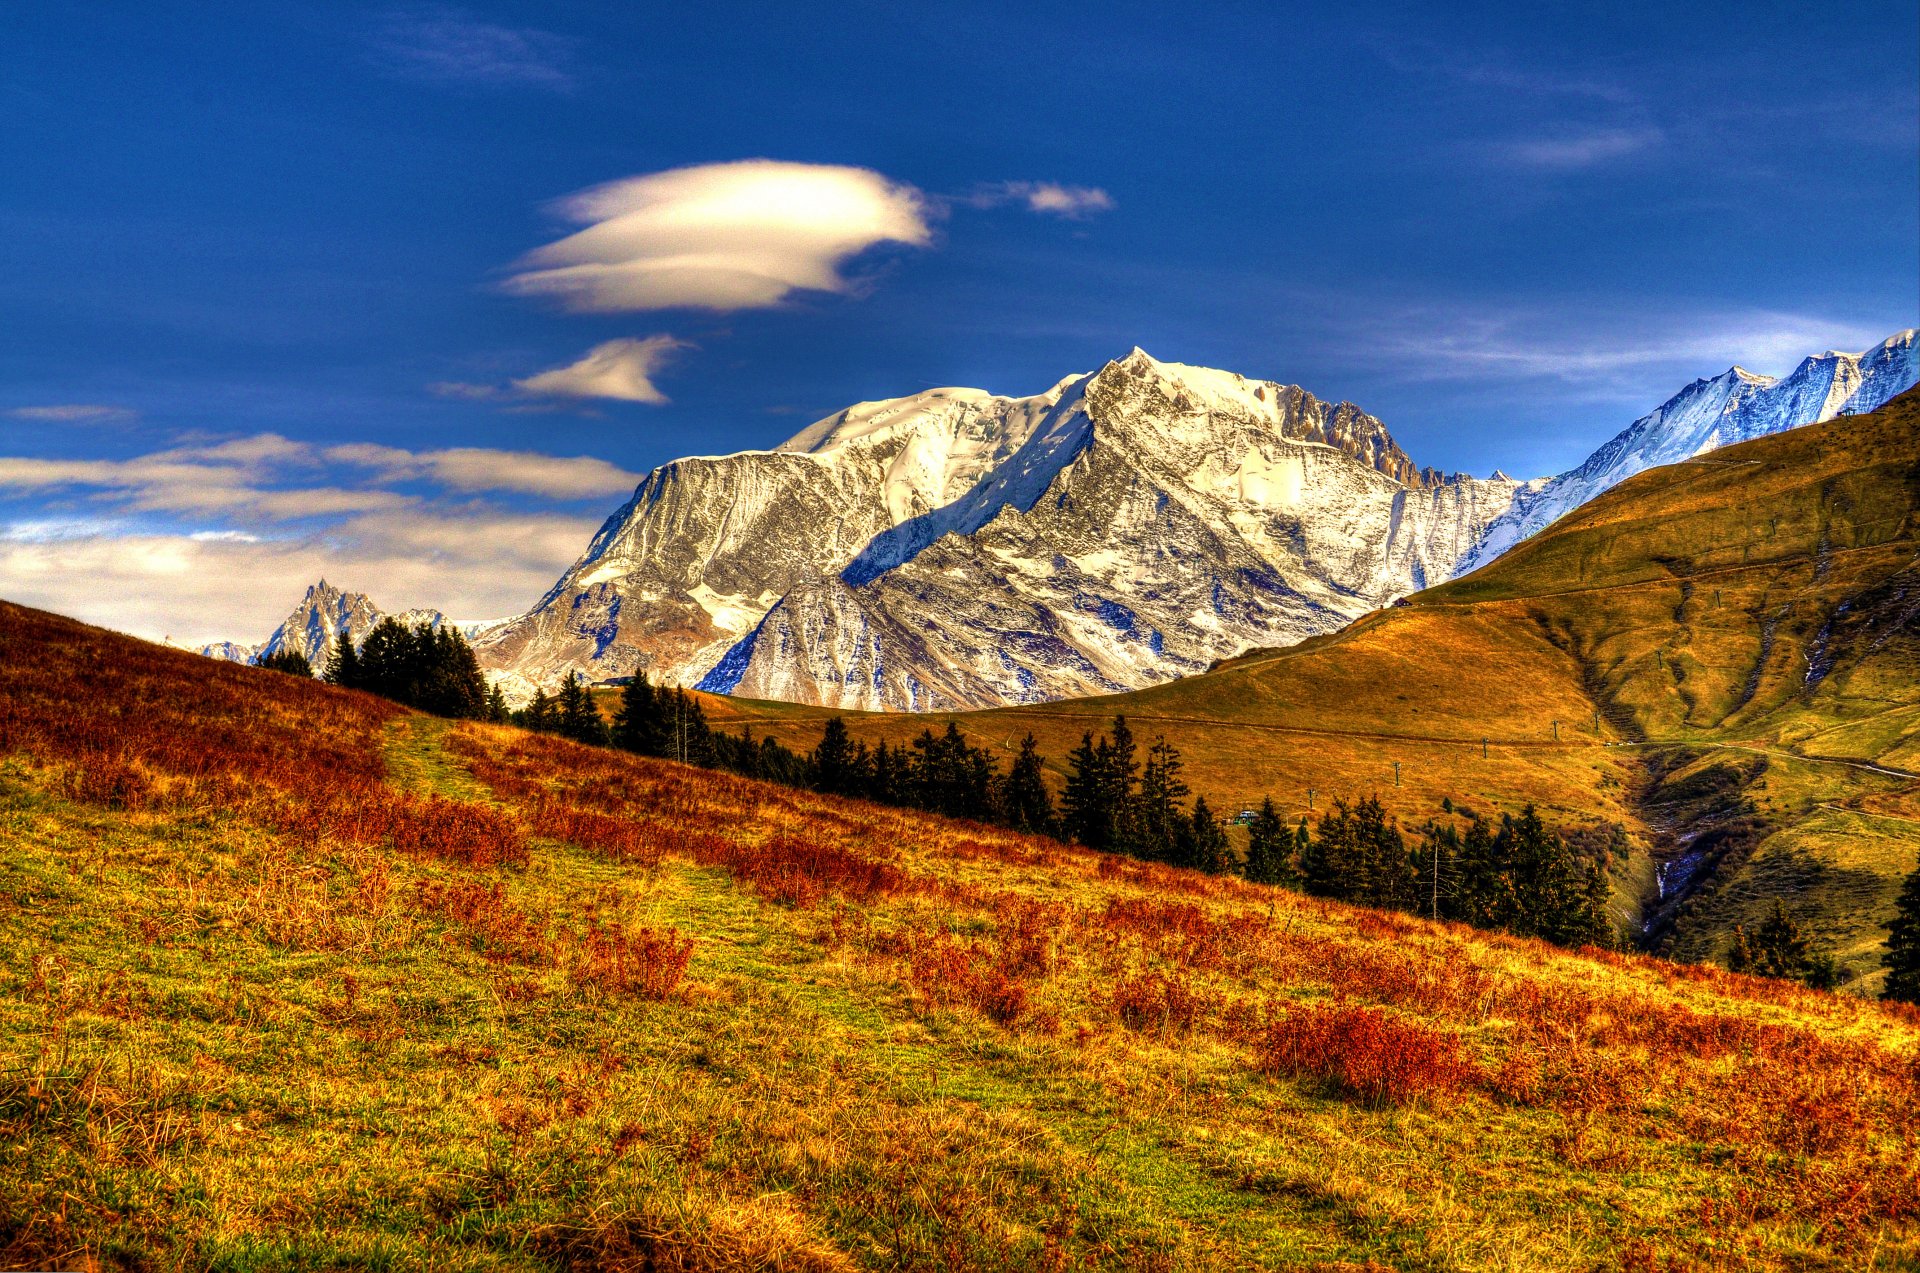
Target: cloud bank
214, 539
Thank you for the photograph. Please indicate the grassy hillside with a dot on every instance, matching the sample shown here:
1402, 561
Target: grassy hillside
1747, 622
290, 978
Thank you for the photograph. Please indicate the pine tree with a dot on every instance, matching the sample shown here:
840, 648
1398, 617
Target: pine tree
541, 716
579, 718
1208, 842
1778, 948
1269, 844
832, 767
292, 662
1903, 945
1086, 802
1024, 800
1157, 813
640, 723
343, 665
497, 705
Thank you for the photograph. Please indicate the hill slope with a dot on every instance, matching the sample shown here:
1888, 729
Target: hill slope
294, 978
1721, 653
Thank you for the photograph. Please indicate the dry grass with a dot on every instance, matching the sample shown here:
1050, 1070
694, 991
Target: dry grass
698, 1022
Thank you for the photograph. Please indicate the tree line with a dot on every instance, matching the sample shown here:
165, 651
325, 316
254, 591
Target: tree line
432, 669
1517, 875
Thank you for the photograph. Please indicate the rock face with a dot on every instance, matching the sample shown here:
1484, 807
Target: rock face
323, 618
1732, 407
959, 549
707, 545
1161, 517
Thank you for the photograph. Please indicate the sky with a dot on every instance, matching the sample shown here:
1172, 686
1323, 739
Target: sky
410, 297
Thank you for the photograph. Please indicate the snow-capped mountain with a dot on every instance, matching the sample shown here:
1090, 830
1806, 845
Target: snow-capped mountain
1159, 518
707, 545
323, 617
956, 548
1732, 407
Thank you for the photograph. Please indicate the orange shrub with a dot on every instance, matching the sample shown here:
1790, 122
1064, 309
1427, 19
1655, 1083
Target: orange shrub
1365, 1054
646, 962
1151, 1003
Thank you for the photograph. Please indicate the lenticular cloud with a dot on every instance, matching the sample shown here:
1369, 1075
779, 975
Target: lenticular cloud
720, 236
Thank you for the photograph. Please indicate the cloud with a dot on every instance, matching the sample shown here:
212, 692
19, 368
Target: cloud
268, 477
620, 369
477, 469
71, 413
451, 46
215, 539
1579, 149
1594, 347
471, 561
726, 236
1076, 203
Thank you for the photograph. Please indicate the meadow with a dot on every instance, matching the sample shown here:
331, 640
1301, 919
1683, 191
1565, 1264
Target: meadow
293, 978
1756, 609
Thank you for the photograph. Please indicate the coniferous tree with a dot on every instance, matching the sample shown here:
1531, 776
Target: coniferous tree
1025, 801
833, 767
343, 665
640, 723
542, 715
1269, 844
1779, 947
1206, 841
1903, 945
497, 710
292, 662
579, 718
1086, 801
1156, 831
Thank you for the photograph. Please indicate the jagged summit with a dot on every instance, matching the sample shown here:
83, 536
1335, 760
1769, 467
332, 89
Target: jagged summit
1734, 406
955, 547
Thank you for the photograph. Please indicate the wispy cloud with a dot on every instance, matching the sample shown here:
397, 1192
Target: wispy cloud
1593, 347
479, 469
271, 478
72, 413
724, 236
1076, 203
1565, 150
452, 46
469, 560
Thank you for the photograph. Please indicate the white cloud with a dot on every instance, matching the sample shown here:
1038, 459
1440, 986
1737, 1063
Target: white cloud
71, 413
451, 46
478, 469
727, 236
1584, 148
1590, 346
215, 539
469, 561
619, 369
1076, 203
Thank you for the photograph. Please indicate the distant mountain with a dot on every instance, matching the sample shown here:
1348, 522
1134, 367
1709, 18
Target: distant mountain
956, 548
323, 617
708, 544
1162, 517
1734, 406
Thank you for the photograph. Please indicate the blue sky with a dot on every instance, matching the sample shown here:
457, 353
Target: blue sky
271, 303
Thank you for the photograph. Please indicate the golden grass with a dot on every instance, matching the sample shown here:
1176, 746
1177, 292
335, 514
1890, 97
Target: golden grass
1681, 608
772, 1030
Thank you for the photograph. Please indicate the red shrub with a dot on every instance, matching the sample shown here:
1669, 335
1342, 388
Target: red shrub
1365, 1054
646, 962
500, 930
1151, 1003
